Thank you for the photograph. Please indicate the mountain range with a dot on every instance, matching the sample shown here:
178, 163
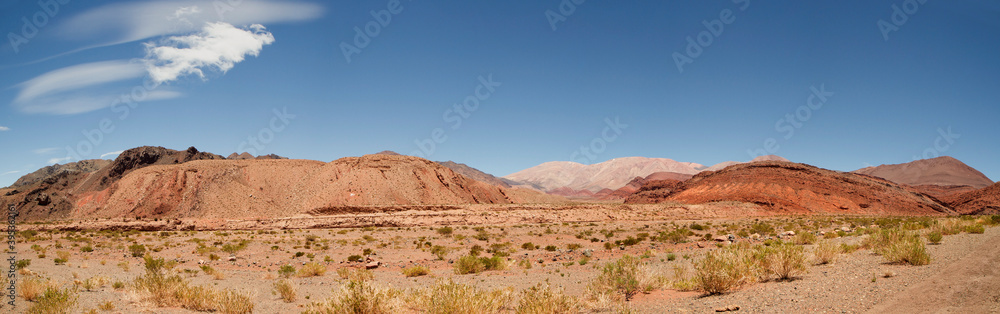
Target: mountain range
165, 183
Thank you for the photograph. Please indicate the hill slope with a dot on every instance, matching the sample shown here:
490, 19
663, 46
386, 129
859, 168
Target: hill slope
936, 171
982, 201
798, 188
473, 173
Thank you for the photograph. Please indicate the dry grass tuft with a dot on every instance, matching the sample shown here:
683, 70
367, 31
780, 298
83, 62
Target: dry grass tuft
286, 289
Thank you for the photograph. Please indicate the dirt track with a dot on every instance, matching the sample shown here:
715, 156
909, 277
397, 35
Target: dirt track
969, 285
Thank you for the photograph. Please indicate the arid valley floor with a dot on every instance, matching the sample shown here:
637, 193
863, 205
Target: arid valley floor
560, 250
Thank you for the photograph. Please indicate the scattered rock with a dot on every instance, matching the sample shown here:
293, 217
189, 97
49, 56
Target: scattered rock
373, 265
721, 239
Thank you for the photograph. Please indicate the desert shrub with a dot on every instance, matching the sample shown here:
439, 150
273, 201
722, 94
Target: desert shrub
826, 252
848, 248
542, 299
286, 289
785, 261
312, 269
803, 238
995, 219
137, 250
898, 246
355, 274
619, 278
31, 288
725, 269
551, 248
476, 250
681, 281
445, 231
416, 271
54, 300
935, 237
910, 250
355, 258
286, 271
22, 263
86, 248
573, 246
358, 296
468, 265
762, 228
173, 291
233, 249
696, 226
529, 246
676, 236
975, 228
439, 252
450, 297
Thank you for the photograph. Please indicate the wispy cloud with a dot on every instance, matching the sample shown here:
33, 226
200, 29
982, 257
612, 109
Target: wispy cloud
74, 89
77, 77
45, 151
217, 46
10, 172
59, 160
111, 154
128, 22
3, 128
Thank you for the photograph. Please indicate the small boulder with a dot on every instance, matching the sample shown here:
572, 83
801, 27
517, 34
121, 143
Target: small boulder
721, 239
373, 265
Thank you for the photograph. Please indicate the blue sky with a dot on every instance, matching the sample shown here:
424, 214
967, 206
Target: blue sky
276, 71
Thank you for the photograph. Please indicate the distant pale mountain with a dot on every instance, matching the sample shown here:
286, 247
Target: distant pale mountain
721, 165
246, 155
935, 171
611, 174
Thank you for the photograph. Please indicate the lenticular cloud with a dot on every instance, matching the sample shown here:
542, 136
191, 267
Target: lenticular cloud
217, 46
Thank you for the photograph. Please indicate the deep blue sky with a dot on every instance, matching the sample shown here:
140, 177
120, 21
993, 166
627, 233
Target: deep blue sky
605, 61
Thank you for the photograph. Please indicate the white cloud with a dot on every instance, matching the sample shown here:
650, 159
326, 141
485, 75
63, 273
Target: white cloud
111, 154
59, 160
128, 22
77, 77
3, 128
45, 151
75, 103
217, 46
10, 172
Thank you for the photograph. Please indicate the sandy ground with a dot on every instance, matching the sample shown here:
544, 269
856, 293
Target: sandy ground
962, 276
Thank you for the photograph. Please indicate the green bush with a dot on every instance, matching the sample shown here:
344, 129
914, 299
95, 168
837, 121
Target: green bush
445, 231
935, 237
286, 271
137, 250
975, 228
